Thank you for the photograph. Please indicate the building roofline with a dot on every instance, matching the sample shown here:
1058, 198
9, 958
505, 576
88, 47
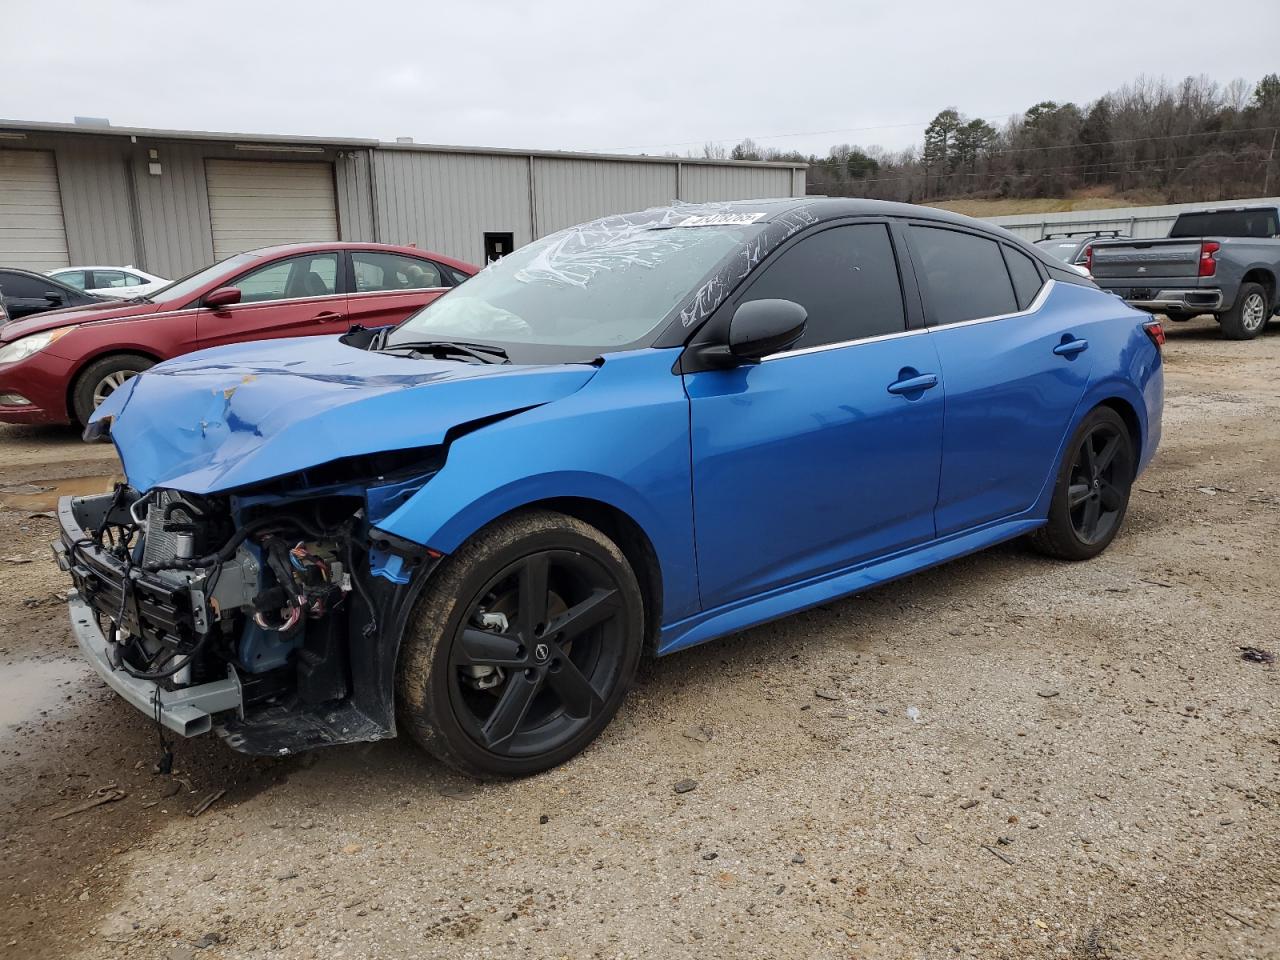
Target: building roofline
339, 143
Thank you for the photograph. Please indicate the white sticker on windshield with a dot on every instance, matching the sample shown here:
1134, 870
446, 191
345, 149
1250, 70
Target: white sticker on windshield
720, 220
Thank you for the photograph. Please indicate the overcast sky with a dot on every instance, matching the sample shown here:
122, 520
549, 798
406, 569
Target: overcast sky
614, 76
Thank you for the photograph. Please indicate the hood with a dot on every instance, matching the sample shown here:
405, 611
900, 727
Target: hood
89, 313
232, 416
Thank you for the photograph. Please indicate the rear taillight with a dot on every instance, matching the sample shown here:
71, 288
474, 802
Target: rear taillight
1087, 262
1155, 330
1209, 257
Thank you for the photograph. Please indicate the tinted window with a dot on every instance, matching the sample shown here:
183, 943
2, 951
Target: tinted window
390, 271
314, 275
72, 278
27, 288
106, 279
846, 278
963, 275
1229, 223
1026, 278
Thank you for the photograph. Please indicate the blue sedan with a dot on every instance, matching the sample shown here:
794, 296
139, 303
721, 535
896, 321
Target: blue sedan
624, 439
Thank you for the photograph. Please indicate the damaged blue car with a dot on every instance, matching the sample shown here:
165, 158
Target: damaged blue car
623, 439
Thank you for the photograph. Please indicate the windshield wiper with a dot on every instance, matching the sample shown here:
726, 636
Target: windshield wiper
483, 352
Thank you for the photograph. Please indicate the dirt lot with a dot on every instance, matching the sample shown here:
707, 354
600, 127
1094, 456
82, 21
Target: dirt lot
1006, 757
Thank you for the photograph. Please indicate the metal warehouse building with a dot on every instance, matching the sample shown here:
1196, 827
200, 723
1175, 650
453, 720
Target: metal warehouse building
174, 201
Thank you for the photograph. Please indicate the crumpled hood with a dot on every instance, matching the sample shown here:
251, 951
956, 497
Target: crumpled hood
232, 416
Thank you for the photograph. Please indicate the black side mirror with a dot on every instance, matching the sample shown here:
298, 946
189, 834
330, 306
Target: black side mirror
54, 296
763, 327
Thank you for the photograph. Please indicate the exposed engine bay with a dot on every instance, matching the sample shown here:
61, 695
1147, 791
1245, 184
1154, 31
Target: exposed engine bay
263, 597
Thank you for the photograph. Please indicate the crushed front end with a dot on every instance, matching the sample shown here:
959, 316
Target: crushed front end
271, 616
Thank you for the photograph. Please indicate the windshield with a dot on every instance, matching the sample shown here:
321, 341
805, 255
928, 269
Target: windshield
1227, 223
191, 284
599, 287
1062, 249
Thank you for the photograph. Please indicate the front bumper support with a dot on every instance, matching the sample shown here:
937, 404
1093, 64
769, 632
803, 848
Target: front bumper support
188, 712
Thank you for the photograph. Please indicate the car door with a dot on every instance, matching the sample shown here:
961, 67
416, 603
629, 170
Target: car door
1015, 371
387, 287
825, 455
296, 296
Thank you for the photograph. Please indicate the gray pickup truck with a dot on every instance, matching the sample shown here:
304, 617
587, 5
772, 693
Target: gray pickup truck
1223, 262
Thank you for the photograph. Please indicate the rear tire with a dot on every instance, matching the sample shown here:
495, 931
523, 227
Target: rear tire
101, 378
1248, 315
522, 647
1091, 494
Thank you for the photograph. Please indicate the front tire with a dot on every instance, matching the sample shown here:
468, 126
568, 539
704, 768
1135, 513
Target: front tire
522, 647
101, 378
1248, 315
1091, 494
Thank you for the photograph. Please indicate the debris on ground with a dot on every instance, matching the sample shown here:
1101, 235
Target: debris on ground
206, 803
700, 732
103, 795
1257, 655
685, 785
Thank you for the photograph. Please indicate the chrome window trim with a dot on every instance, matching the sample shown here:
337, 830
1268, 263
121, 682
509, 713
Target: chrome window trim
1032, 307
401, 292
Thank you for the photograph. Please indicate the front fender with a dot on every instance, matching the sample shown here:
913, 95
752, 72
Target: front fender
622, 441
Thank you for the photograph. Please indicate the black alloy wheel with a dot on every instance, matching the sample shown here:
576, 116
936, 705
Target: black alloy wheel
1100, 475
555, 640
1091, 493
522, 646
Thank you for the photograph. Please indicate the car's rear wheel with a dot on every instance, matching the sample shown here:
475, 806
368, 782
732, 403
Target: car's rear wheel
522, 647
1091, 494
1247, 317
101, 379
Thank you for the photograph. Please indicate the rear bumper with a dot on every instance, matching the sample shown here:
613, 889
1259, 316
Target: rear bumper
1191, 301
1178, 295
188, 712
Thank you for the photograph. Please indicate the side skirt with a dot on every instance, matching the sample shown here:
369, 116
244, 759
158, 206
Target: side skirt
749, 612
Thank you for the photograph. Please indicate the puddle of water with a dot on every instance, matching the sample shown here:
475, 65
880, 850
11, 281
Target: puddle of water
43, 496
33, 689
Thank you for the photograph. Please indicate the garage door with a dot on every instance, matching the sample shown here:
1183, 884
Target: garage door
257, 204
32, 234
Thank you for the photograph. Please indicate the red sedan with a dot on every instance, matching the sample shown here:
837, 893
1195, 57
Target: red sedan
58, 366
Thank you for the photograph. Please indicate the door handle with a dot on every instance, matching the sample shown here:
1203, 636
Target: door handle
326, 317
1069, 348
925, 381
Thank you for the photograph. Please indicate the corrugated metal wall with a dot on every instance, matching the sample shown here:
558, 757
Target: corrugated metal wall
117, 211
97, 203
571, 191
703, 182
447, 201
173, 209
1142, 223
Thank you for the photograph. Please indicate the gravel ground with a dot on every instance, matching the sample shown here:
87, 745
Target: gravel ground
1004, 757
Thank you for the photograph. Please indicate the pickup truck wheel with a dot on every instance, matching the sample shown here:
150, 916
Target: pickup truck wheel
1092, 490
102, 378
522, 647
1247, 318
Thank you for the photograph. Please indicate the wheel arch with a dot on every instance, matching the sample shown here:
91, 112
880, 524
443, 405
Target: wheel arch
620, 527
1264, 278
114, 350
1130, 417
